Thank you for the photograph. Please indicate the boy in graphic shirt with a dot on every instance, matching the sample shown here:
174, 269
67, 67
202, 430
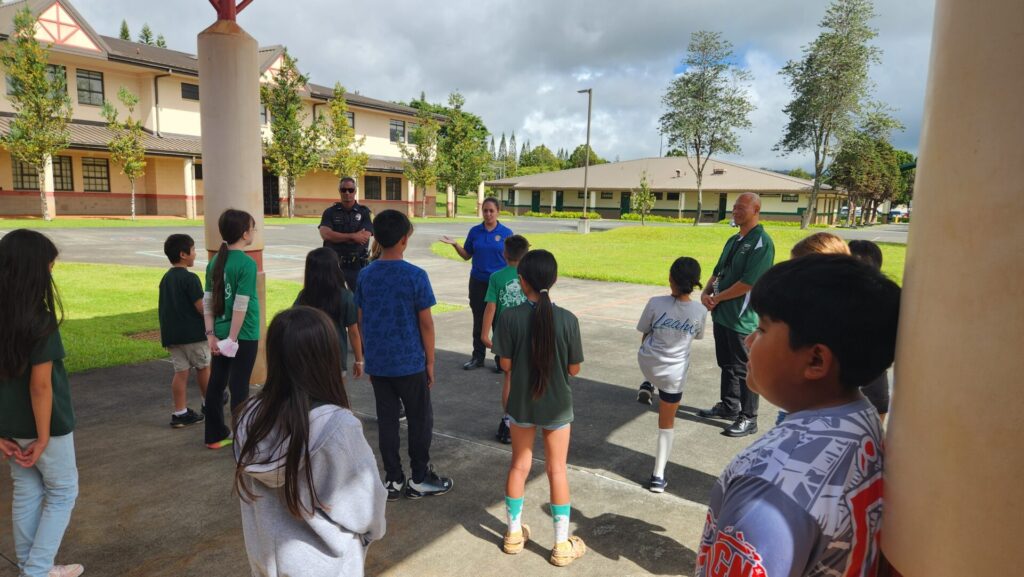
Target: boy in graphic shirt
806, 499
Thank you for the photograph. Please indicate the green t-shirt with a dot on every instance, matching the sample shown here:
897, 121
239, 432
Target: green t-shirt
180, 322
239, 279
350, 316
16, 418
512, 340
504, 291
752, 256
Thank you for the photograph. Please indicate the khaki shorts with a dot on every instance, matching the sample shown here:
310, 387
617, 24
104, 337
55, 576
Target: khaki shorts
194, 355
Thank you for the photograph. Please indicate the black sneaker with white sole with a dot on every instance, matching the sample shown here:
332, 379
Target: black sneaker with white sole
432, 484
394, 489
645, 394
189, 417
657, 484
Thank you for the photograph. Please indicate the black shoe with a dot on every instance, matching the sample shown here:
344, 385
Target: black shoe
504, 435
394, 489
473, 363
741, 428
718, 412
431, 485
646, 392
190, 417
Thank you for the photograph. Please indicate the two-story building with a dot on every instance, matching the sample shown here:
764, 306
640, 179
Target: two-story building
87, 182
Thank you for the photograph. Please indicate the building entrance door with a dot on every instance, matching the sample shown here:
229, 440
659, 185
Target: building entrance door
721, 206
535, 201
271, 194
559, 200
624, 203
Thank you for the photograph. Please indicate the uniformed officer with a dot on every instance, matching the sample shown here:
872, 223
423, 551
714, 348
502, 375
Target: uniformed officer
347, 227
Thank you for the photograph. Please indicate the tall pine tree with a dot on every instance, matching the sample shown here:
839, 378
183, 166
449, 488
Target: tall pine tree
125, 34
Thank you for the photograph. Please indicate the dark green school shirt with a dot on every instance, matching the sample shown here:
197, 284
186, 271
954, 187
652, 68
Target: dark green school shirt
512, 339
180, 322
239, 279
752, 256
16, 417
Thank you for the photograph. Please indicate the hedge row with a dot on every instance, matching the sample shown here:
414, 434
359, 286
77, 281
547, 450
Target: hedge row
560, 214
657, 218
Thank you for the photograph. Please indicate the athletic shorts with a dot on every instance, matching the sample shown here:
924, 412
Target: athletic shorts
190, 356
512, 421
670, 397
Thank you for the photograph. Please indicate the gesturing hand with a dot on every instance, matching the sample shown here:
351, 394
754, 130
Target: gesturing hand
448, 240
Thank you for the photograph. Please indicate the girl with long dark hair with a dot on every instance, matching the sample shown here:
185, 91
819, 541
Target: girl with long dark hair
324, 289
312, 499
539, 346
231, 310
36, 418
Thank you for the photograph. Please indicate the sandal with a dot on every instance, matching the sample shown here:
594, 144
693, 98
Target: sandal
567, 551
514, 543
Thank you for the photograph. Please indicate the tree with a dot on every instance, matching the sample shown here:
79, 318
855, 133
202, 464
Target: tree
512, 152
705, 106
146, 35
125, 33
343, 151
642, 199
462, 156
502, 149
491, 151
293, 149
125, 145
867, 165
39, 95
160, 42
421, 154
579, 157
829, 83
800, 173
908, 175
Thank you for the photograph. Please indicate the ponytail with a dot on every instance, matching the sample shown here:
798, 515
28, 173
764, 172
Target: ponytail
218, 279
233, 224
540, 270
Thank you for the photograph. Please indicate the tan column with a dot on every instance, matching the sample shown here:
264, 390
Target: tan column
46, 193
410, 202
480, 199
190, 188
449, 195
954, 490
553, 196
232, 154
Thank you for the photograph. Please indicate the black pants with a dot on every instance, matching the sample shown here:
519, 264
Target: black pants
732, 359
477, 292
233, 373
351, 272
413, 392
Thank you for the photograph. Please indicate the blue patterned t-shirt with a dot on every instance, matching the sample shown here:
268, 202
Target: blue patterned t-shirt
390, 294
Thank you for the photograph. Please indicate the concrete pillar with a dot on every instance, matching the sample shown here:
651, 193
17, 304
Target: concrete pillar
190, 188
449, 194
953, 490
282, 197
480, 199
232, 150
46, 192
553, 200
410, 193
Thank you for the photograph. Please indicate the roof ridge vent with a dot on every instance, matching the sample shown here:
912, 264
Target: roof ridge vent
718, 170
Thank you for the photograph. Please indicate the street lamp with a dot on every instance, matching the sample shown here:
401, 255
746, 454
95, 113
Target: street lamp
584, 223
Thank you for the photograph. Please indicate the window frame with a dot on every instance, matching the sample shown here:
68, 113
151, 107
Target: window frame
393, 125
189, 96
372, 192
69, 178
351, 116
672, 196
388, 181
95, 182
21, 170
79, 72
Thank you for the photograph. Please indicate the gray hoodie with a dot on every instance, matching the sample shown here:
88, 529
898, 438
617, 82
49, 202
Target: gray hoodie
334, 540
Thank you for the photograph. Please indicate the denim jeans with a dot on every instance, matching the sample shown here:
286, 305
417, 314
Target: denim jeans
44, 496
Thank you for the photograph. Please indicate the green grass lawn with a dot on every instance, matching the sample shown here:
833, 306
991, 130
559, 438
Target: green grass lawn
467, 204
105, 304
643, 254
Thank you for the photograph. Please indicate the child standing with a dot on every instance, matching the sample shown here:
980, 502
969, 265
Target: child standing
394, 299
311, 497
181, 326
36, 418
669, 324
324, 289
540, 348
231, 311
504, 292
806, 498
877, 391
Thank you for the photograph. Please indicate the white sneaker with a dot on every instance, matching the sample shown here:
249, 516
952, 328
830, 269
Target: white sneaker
66, 570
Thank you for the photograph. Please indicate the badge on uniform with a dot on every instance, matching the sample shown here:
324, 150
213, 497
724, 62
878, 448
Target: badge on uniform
359, 216
497, 238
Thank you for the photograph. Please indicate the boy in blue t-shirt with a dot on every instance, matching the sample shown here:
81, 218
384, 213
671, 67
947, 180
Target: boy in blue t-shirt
394, 299
806, 498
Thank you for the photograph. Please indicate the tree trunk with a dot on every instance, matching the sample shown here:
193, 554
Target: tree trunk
291, 197
700, 199
812, 200
132, 181
41, 179
423, 203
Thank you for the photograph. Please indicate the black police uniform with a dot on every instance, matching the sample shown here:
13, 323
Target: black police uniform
353, 256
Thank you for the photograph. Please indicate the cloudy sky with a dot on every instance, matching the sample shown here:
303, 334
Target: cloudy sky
520, 63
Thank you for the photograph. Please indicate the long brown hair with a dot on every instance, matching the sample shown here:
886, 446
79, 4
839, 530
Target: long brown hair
233, 224
540, 270
303, 367
323, 283
30, 307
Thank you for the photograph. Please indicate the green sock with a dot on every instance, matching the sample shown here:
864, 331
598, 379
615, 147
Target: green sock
560, 516
514, 513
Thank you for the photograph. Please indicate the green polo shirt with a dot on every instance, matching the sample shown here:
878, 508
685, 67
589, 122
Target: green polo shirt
512, 339
16, 418
753, 255
239, 279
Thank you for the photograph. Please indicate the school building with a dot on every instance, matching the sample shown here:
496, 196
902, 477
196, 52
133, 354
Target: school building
674, 185
85, 181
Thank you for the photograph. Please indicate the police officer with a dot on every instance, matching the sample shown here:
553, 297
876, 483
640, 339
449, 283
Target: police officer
347, 227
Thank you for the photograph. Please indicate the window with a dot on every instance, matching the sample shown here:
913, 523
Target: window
96, 174
197, 171
62, 179
393, 188
25, 176
657, 195
579, 195
397, 131
511, 196
263, 115
790, 198
189, 91
606, 195
411, 132
90, 87
54, 72
351, 116
371, 185
673, 196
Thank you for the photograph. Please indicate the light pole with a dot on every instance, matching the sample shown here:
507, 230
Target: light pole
584, 224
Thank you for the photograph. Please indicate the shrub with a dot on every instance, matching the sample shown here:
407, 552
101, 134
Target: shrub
656, 218
562, 214
780, 223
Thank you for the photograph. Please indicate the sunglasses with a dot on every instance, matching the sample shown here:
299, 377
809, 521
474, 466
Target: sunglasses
347, 190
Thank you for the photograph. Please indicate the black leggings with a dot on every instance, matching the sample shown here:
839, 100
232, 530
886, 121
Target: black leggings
233, 373
477, 292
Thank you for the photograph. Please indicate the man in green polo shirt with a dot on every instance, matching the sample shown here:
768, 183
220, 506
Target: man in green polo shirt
746, 256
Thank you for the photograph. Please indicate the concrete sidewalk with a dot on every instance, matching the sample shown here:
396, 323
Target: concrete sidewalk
155, 502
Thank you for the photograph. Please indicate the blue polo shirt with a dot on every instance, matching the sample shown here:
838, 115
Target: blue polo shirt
487, 250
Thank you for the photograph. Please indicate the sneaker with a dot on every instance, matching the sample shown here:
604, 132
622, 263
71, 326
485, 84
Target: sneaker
189, 417
431, 485
718, 412
220, 444
394, 489
646, 392
567, 551
504, 434
66, 570
657, 484
514, 542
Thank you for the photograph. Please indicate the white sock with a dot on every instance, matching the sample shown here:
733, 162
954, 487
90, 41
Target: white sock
504, 419
180, 413
664, 450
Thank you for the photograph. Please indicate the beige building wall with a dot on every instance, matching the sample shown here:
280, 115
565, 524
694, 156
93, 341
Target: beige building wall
178, 115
